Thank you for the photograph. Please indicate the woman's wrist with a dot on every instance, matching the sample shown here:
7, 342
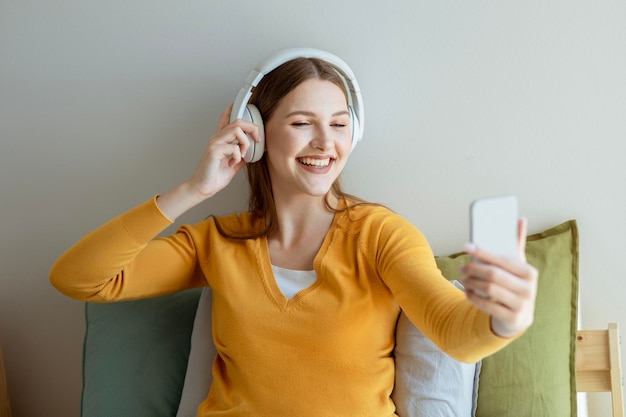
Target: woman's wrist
178, 200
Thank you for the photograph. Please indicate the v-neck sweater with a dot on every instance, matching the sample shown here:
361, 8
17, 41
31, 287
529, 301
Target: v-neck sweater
328, 351
292, 281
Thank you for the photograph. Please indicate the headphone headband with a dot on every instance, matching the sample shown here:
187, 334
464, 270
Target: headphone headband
355, 100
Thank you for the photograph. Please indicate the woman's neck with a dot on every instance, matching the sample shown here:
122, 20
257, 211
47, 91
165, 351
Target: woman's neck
302, 226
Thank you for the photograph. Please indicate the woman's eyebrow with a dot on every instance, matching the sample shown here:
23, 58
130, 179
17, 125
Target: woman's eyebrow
311, 114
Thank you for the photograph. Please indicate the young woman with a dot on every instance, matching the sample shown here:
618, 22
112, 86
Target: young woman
309, 283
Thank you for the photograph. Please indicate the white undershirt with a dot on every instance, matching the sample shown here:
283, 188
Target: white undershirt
291, 281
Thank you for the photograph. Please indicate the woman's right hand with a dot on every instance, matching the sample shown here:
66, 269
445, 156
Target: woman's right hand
219, 163
223, 156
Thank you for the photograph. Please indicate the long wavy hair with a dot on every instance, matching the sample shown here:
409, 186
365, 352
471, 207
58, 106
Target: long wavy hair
266, 96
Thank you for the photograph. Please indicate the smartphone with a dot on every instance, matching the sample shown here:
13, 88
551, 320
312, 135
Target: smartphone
493, 224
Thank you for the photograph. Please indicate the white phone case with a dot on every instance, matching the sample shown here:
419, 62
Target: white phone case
493, 224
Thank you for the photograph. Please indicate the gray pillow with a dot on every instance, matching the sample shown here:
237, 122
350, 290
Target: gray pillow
198, 377
429, 383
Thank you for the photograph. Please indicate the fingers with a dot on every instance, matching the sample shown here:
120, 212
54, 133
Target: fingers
503, 287
517, 267
511, 307
487, 287
493, 307
497, 276
522, 226
248, 127
223, 155
225, 117
233, 140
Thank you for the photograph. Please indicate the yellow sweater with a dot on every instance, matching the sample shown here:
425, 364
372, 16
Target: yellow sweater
326, 352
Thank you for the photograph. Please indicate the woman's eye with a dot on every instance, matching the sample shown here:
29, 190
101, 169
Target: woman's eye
339, 125
300, 124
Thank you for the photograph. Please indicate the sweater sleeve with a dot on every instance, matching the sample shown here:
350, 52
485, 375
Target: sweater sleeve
124, 260
407, 265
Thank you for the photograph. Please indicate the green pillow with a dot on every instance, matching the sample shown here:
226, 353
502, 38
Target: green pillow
135, 356
535, 375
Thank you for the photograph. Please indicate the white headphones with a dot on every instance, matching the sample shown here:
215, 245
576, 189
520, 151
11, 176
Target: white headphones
249, 112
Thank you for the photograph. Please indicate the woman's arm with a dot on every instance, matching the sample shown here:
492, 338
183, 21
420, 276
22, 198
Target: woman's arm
448, 317
123, 260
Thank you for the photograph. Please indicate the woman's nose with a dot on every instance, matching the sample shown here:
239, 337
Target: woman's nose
322, 139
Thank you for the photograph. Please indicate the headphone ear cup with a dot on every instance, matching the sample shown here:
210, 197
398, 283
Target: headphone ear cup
256, 149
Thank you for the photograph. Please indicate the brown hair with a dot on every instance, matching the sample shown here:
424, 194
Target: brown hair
266, 96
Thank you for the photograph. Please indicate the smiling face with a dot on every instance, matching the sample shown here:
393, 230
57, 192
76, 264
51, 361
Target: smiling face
308, 139
287, 178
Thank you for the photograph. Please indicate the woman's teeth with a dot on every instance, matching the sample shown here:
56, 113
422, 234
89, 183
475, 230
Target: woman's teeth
320, 163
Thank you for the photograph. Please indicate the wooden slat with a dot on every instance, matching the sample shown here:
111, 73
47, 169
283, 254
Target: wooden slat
598, 364
593, 349
593, 381
5, 407
593, 361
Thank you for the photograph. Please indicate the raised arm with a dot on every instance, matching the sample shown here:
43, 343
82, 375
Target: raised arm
123, 259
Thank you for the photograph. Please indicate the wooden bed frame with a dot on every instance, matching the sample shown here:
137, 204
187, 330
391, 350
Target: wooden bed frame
598, 364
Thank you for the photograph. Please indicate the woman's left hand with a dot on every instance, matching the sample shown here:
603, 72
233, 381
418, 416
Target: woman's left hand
503, 287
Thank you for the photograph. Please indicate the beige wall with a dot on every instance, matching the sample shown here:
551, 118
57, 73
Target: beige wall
103, 104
